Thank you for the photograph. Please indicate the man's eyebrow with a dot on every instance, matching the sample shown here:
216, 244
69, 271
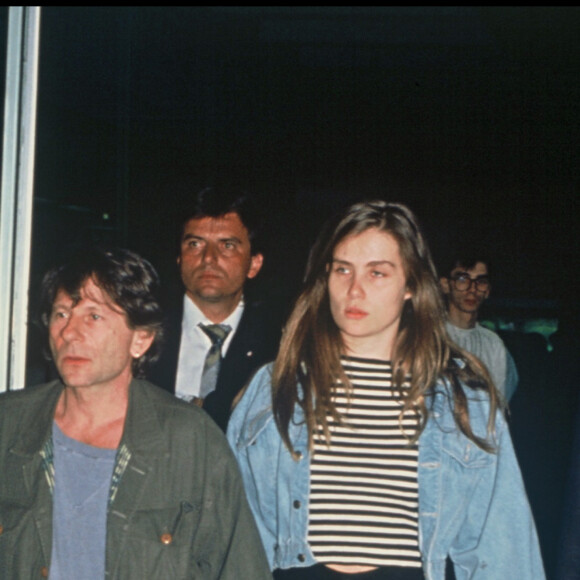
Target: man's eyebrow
190, 236
463, 273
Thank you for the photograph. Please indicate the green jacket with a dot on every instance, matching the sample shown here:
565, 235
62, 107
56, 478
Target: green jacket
177, 507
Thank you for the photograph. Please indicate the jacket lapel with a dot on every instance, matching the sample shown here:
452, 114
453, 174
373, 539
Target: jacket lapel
143, 440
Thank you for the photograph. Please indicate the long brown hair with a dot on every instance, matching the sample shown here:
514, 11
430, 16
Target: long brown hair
308, 368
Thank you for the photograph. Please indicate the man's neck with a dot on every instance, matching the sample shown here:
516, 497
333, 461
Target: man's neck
464, 320
93, 415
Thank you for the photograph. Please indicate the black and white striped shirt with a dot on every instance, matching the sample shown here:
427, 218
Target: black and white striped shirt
364, 491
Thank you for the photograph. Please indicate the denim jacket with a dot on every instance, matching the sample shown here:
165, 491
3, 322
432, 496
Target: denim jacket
472, 504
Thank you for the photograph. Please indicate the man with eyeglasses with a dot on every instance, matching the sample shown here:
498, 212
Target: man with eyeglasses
466, 286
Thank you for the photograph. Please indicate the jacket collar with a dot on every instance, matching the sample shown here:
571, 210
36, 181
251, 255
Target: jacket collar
31, 441
142, 433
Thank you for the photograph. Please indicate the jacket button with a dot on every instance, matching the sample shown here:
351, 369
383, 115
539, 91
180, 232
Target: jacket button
166, 539
301, 557
250, 353
1, 529
298, 454
44, 572
296, 503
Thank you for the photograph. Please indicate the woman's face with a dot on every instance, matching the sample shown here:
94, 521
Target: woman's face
367, 290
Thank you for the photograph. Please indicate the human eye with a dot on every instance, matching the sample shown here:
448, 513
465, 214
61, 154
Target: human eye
191, 242
95, 316
378, 274
58, 314
340, 269
482, 282
230, 245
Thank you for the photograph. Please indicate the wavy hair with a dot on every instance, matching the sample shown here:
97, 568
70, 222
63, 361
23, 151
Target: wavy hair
129, 280
308, 366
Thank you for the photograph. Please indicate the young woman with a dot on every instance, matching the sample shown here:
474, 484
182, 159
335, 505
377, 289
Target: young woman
373, 447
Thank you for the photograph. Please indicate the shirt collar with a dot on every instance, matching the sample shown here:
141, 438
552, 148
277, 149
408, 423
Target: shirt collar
193, 316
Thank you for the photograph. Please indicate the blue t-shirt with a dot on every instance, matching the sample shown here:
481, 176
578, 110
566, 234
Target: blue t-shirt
79, 522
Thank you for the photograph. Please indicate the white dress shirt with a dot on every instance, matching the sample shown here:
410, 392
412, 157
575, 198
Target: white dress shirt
195, 344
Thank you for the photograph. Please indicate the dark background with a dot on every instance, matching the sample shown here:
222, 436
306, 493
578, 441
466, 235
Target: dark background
467, 114
470, 115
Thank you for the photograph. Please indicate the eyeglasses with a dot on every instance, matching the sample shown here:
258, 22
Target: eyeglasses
463, 282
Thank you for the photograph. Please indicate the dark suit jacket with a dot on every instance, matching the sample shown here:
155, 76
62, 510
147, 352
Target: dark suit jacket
255, 343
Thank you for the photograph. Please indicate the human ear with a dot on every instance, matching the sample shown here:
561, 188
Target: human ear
142, 340
444, 281
255, 265
486, 293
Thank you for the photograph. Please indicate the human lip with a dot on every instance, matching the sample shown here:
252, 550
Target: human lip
74, 360
209, 274
355, 313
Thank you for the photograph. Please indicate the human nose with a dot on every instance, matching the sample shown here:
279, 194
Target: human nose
210, 253
467, 285
355, 288
70, 329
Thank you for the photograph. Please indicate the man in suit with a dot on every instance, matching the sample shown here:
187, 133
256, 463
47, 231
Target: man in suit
218, 253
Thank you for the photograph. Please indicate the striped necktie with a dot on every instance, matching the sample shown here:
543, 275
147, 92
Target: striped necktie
217, 334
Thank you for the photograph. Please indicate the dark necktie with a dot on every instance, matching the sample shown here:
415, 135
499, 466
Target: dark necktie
217, 334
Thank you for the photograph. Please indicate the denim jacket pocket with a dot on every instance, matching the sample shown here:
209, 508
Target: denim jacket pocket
466, 452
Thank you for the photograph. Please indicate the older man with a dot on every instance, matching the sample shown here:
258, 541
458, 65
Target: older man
104, 474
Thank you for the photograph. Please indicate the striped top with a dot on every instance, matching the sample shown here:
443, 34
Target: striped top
364, 491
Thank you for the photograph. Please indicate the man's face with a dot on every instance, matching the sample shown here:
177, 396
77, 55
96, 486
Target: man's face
470, 299
215, 259
90, 341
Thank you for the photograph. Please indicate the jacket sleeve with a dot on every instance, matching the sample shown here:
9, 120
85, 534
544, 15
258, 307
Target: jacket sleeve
251, 416
243, 555
254, 399
508, 545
